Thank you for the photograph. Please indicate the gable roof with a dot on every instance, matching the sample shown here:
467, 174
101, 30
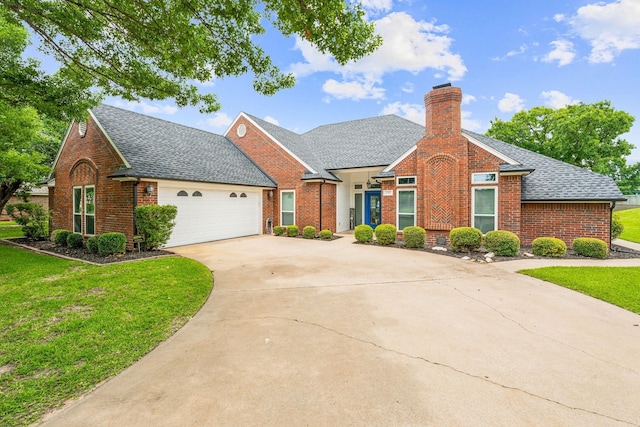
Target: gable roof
155, 148
551, 179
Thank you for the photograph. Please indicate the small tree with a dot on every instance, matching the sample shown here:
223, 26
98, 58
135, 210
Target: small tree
32, 217
155, 223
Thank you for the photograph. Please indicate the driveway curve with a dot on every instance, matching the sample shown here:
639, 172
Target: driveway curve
300, 332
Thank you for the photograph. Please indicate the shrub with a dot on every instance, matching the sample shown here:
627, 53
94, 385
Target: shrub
414, 237
386, 234
278, 230
503, 243
155, 223
92, 244
293, 231
548, 246
59, 237
75, 240
111, 244
590, 247
33, 218
465, 239
309, 232
617, 227
363, 233
326, 235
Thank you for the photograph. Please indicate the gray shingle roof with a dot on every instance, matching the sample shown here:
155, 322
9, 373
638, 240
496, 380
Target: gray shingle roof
551, 179
160, 149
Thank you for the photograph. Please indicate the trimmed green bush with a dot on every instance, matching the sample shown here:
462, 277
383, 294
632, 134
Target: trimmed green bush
155, 223
502, 242
33, 218
617, 227
465, 239
309, 232
293, 230
363, 233
278, 230
59, 237
590, 247
549, 247
75, 240
112, 244
92, 244
386, 234
414, 236
326, 235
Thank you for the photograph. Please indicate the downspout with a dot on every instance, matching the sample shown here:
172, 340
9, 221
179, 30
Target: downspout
613, 206
321, 184
135, 205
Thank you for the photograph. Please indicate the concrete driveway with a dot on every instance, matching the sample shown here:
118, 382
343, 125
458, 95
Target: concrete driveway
316, 333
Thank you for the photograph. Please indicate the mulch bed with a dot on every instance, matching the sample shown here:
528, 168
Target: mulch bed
616, 252
84, 255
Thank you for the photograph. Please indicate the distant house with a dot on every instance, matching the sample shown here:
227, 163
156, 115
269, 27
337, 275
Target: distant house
39, 195
377, 170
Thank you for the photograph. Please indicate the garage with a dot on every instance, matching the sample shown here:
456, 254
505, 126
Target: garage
215, 212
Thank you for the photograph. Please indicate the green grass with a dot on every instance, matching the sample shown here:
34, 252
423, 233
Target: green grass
631, 220
66, 326
10, 229
617, 285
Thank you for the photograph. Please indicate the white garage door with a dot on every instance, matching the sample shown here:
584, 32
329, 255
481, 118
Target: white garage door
209, 214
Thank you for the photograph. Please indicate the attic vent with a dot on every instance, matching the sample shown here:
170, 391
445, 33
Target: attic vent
183, 193
243, 195
241, 130
233, 195
197, 194
82, 128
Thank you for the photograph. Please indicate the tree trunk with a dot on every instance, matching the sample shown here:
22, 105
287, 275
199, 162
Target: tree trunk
6, 191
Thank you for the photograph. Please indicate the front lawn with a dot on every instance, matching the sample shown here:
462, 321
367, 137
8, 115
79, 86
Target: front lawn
66, 326
617, 285
630, 218
10, 229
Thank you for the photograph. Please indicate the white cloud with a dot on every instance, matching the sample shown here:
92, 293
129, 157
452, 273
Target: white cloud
467, 99
470, 124
413, 112
408, 45
558, 17
377, 5
511, 103
355, 90
219, 121
556, 99
610, 28
271, 120
407, 88
147, 108
562, 52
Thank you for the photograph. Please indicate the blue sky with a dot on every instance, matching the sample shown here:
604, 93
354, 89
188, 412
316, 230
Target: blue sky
506, 55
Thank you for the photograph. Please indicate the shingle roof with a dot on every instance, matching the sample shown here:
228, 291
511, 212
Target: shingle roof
551, 179
160, 149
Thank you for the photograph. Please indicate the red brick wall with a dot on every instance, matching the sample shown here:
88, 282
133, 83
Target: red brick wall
566, 221
34, 198
88, 161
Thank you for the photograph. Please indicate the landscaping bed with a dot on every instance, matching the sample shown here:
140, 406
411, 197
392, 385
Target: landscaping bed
84, 255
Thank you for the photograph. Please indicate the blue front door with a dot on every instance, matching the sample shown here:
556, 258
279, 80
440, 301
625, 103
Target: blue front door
372, 201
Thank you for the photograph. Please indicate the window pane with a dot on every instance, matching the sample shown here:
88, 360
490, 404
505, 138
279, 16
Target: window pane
77, 200
406, 202
358, 206
405, 221
89, 194
485, 201
287, 218
287, 201
484, 223
77, 223
479, 178
407, 180
90, 224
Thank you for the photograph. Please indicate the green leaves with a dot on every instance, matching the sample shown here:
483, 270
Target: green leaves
585, 135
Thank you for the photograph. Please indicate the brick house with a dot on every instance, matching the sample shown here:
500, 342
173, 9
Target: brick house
378, 170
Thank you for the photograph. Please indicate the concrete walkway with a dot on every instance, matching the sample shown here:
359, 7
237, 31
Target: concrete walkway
316, 333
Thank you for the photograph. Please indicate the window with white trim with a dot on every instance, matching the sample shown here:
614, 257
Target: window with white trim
84, 210
287, 207
484, 178
406, 180
485, 208
406, 208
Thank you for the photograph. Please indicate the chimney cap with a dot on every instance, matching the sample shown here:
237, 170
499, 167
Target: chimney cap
441, 86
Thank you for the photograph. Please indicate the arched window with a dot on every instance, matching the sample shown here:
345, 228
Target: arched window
183, 193
197, 194
233, 195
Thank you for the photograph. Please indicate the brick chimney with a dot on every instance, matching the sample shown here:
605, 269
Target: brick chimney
443, 163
